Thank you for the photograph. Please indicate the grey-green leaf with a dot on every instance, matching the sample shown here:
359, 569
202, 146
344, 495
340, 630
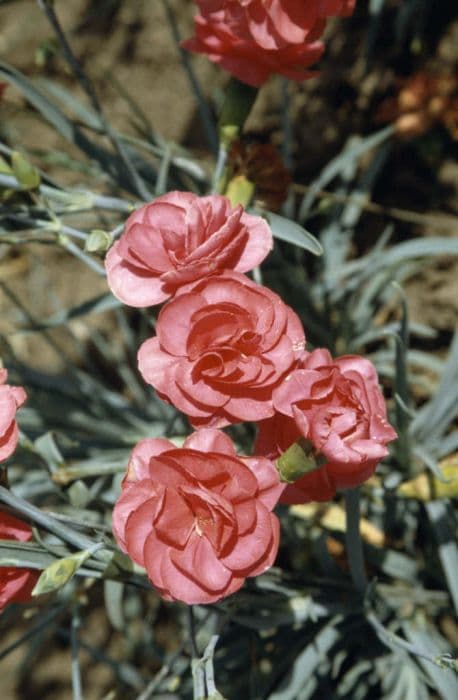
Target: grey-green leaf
287, 230
60, 572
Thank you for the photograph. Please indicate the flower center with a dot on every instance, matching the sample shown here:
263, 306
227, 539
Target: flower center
201, 523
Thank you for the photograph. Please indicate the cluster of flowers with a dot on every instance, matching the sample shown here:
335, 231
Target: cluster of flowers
16, 583
253, 39
228, 350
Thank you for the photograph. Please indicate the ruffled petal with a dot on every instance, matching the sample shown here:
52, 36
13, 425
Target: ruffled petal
174, 323
270, 486
252, 547
139, 462
132, 285
131, 498
210, 440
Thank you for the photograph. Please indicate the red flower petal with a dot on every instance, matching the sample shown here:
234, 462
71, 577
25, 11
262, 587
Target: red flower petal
210, 440
249, 549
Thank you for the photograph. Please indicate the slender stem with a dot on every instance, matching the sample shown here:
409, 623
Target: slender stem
64, 241
353, 540
37, 516
111, 203
192, 632
81, 255
394, 641
76, 670
165, 670
287, 128
208, 665
116, 232
86, 200
73, 232
47, 7
49, 225
220, 167
198, 674
154, 683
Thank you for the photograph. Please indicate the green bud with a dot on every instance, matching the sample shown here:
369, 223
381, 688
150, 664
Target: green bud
298, 460
98, 241
60, 572
240, 191
24, 172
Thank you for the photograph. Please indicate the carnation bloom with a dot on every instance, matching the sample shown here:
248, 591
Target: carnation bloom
179, 238
248, 61
221, 348
198, 518
253, 39
11, 398
337, 406
16, 584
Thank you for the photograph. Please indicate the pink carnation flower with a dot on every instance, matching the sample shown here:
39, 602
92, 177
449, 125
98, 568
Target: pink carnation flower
16, 584
270, 25
198, 518
179, 238
253, 39
11, 398
338, 407
248, 61
221, 348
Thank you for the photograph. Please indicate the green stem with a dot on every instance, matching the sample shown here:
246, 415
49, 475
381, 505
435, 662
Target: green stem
209, 652
76, 670
198, 674
239, 98
79, 200
57, 528
353, 540
394, 641
219, 179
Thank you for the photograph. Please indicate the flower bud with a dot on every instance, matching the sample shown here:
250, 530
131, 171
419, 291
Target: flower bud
299, 459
